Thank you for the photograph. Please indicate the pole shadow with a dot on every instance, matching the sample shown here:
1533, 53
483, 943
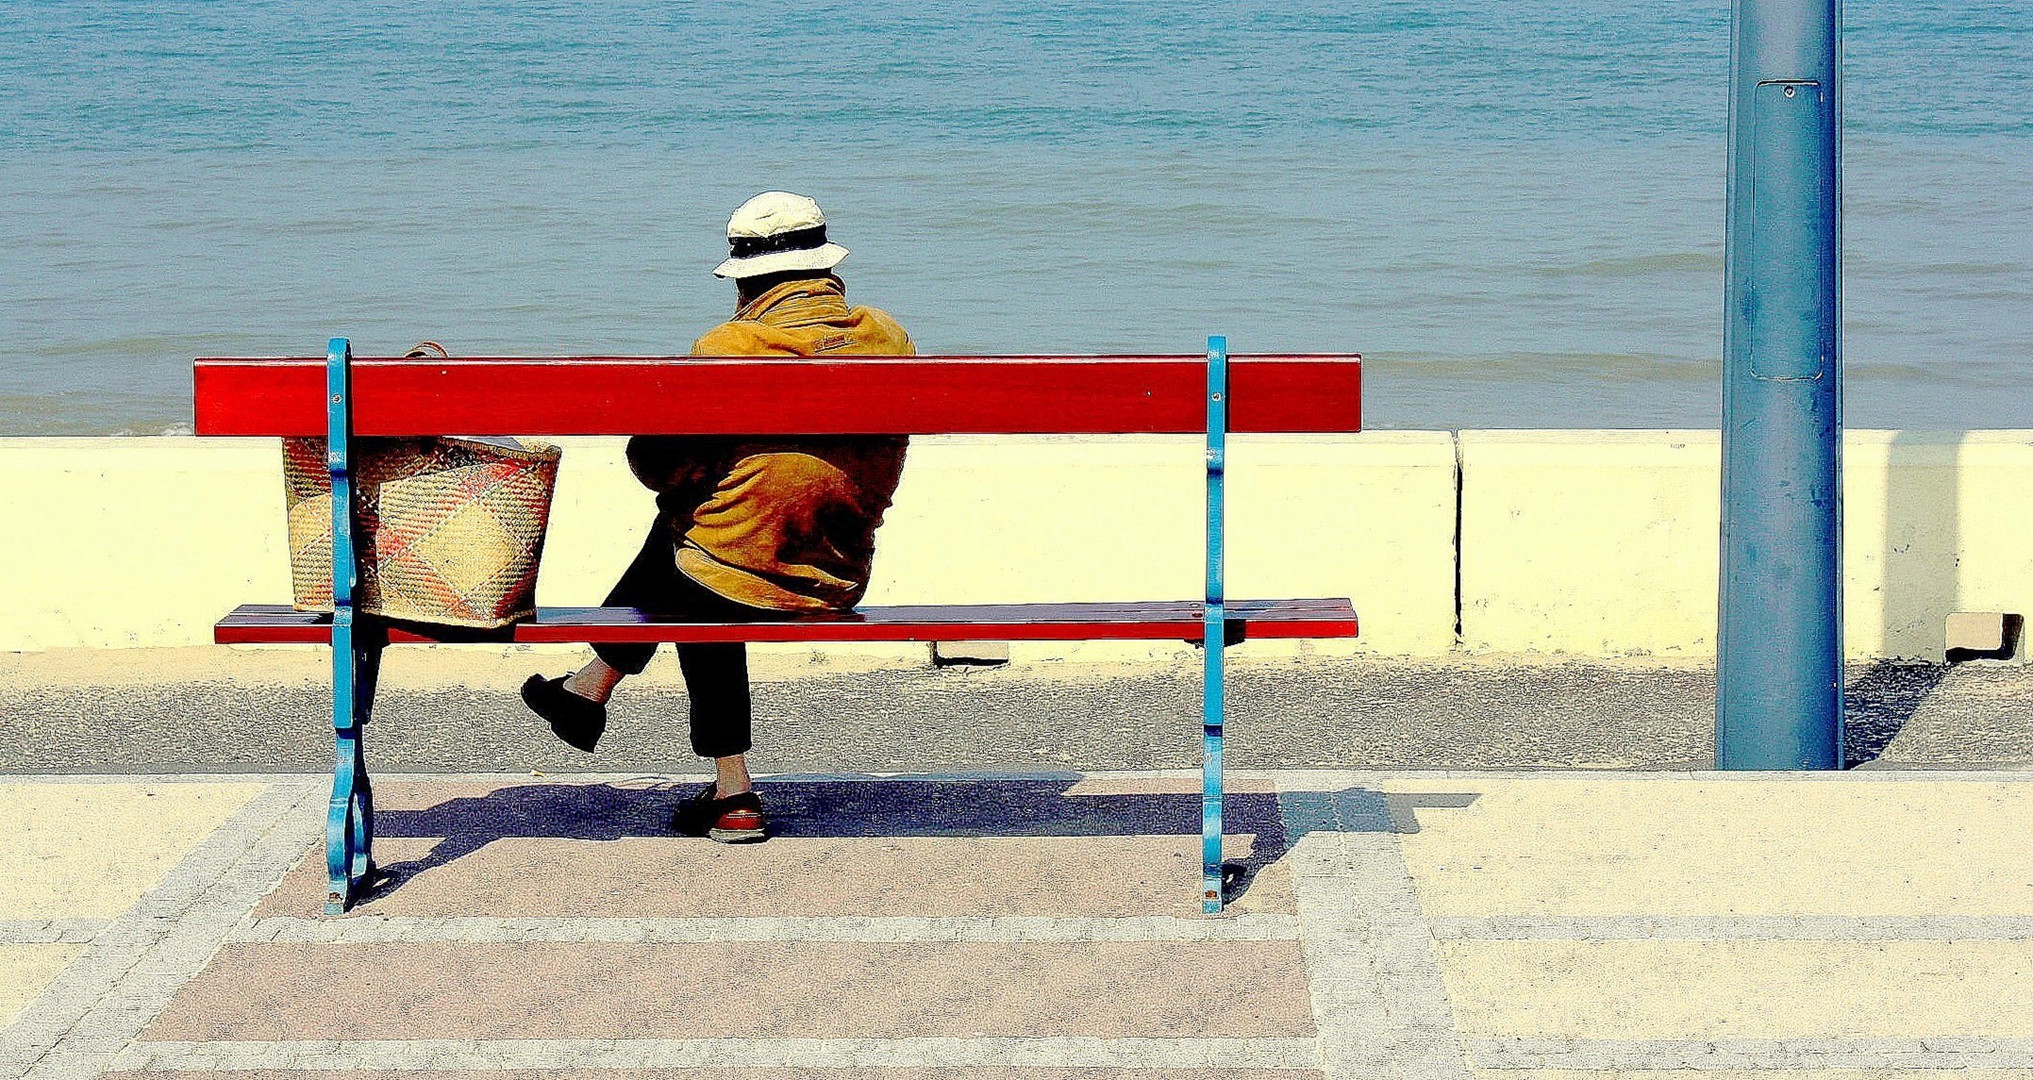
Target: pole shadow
1880, 701
1920, 584
1922, 579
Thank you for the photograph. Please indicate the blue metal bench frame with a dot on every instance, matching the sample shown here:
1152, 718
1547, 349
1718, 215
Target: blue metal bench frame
357, 646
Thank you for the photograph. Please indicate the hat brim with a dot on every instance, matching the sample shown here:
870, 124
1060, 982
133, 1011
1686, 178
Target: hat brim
823, 257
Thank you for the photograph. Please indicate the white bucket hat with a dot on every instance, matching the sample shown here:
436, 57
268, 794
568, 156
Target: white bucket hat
778, 231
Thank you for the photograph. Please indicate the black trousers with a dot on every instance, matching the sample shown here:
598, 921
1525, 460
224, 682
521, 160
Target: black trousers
716, 673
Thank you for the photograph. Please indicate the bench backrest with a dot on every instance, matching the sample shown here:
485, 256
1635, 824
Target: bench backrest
628, 395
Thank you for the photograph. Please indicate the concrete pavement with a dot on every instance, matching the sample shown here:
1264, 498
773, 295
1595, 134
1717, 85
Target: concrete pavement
1535, 926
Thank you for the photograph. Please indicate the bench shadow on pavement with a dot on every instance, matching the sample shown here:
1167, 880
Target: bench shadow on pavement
902, 807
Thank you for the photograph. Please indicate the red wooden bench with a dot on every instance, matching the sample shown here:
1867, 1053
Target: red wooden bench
339, 397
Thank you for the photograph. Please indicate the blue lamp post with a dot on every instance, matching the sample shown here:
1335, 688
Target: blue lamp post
1779, 693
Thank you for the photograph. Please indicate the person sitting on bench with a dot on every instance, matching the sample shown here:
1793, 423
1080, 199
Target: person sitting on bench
747, 529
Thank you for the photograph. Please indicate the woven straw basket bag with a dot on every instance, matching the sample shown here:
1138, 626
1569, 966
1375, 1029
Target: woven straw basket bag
451, 529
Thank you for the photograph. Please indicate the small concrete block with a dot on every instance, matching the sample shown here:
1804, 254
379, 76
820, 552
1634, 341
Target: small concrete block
1977, 631
978, 653
1984, 635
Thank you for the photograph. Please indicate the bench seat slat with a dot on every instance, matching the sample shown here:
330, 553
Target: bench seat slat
1154, 621
924, 395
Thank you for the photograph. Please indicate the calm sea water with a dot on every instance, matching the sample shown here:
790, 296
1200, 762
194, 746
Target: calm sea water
1512, 207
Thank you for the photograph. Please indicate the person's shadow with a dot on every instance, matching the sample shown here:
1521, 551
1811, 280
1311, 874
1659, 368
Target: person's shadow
886, 807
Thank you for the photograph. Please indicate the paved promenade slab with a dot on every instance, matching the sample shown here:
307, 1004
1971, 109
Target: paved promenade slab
89, 850
1558, 926
76, 856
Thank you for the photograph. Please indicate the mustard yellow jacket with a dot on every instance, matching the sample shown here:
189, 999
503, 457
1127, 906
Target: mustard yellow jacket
786, 524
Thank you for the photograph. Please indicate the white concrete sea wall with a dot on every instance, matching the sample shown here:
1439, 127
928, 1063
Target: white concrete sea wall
1047, 519
1605, 542
1056, 519
1589, 543
136, 542
1938, 522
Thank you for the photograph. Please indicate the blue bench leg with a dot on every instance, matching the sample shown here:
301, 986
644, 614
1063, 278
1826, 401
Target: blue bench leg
349, 819
338, 831
360, 822
356, 658
1212, 700
1214, 628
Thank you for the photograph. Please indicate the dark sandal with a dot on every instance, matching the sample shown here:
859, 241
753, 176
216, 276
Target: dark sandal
736, 819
